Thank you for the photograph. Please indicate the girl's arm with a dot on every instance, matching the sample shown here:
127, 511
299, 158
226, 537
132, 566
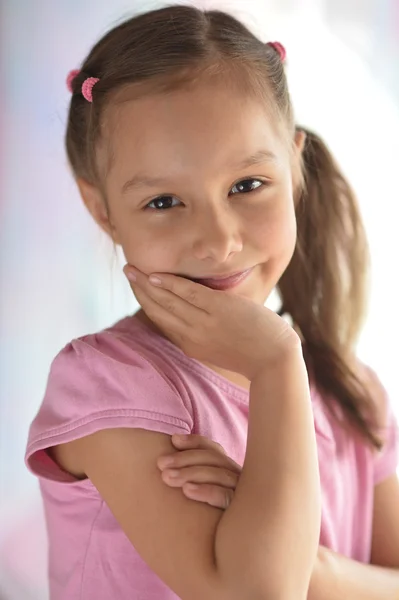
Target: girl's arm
275, 514
334, 577
385, 540
264, 545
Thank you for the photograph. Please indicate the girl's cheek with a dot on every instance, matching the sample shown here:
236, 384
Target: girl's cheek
151, 256
263, 226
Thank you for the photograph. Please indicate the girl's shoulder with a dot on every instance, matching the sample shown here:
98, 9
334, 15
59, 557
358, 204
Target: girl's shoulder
117, 377
128, 353
345, 442
384, 415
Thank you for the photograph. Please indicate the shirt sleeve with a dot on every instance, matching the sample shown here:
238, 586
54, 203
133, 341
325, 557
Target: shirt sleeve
89, 390
386, 461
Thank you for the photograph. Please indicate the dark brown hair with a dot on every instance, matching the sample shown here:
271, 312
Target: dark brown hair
324, 287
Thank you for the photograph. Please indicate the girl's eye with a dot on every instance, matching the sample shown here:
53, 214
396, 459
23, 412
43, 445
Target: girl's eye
244, 186
247, 185
161, 203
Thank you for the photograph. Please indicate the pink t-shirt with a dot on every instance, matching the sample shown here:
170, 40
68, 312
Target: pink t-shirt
128, 376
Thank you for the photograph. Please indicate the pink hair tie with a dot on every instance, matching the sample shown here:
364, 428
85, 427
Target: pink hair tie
279, 48
71, 76
87, 87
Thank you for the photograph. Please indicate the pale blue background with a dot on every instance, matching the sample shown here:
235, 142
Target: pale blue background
58, 278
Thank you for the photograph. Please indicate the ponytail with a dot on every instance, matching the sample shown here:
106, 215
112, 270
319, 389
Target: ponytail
324, 289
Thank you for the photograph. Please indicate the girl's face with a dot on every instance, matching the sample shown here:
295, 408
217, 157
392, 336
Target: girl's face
200, 186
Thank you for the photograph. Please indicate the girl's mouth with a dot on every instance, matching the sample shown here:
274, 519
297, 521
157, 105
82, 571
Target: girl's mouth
225, 283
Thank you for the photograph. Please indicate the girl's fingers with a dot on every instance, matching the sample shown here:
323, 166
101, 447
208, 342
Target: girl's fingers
193, 293
194, 440
198, 458
217, 496
167, 321
200, 474
155, 297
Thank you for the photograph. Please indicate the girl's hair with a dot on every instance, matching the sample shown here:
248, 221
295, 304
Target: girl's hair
324, 287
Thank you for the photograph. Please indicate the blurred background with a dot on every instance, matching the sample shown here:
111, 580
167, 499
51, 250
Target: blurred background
59, 277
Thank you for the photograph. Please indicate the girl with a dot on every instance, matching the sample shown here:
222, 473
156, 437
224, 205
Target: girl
182, 139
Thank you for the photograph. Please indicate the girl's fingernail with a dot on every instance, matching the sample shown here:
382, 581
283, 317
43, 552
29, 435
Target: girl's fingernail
172, 473
131, 276
155, 280
166, 461
191, 487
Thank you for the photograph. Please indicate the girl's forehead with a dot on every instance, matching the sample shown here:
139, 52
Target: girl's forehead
202, 120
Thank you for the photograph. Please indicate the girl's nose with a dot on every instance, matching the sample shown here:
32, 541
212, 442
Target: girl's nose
216, 236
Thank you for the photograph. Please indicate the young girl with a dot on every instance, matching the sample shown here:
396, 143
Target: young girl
182, 139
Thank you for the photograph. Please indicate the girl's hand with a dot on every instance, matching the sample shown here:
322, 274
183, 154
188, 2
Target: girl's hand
202, 469
224, 329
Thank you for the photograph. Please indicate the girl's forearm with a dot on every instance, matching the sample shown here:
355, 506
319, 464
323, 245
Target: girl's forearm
336, 577
271, 529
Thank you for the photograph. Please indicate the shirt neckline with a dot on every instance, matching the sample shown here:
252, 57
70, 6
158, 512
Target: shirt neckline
190, 362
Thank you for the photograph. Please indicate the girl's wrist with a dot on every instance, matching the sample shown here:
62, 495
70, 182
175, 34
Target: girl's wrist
288, 363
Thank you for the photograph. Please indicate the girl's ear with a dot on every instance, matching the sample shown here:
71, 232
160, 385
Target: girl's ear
296, 170
95, 204
300, 139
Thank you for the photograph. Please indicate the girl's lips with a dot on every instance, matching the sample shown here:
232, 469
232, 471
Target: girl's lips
225, 283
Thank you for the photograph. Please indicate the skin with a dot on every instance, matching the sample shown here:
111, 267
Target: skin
212, 227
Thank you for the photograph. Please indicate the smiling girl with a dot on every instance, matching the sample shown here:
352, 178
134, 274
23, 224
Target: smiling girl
182, 139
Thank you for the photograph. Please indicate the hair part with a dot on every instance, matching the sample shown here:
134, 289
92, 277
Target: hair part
324, 287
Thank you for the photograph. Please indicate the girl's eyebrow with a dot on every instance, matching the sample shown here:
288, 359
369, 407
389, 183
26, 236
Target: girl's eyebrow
143, 180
